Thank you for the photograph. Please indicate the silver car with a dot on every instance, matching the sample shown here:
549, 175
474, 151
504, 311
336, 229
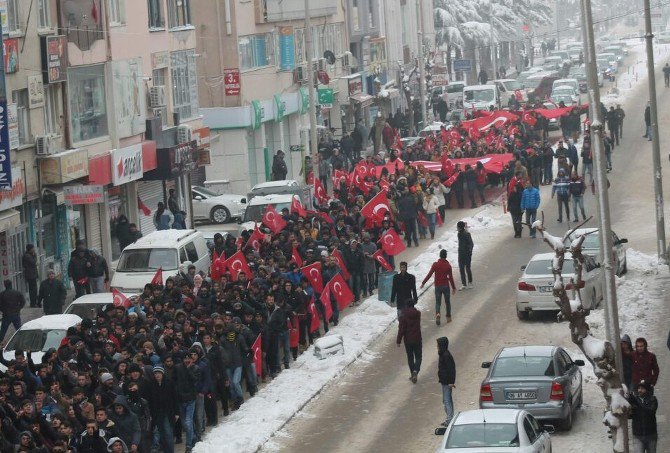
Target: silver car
543, 380
591, 247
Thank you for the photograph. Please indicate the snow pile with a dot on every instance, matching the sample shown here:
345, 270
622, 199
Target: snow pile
593, 347
260, 417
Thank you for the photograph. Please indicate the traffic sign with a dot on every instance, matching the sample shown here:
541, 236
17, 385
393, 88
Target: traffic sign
462, 65
326, 96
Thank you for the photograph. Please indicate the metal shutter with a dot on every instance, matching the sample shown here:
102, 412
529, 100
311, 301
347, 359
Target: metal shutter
150, 192
94, 241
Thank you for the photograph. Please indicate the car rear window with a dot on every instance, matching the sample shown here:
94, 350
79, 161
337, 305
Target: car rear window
86, 311
144, 260
483, 435
543, 267
36, 340
523, 366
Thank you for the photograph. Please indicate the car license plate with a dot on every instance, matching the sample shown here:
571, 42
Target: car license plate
521, 395
546, 289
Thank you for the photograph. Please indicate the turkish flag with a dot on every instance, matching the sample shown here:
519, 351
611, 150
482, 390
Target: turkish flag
440, 222
338, 177
423, 221
384, 184
297, 208
293, 332
518, 95
273, 220
316, 320
158, 277
320, 192
256, 238
257, 349
94, 11
295, 256
144, 208
391, 243
376, 207
381, 260
325, 300
340, 262
119, 299
236, 264
529, 119
341, 291
313, 274
215, 269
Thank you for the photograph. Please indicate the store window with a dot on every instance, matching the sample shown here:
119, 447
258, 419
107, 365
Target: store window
88, 106
51, 109
20, 98
184, 84
180, 13
77, 222
156, 18
257, 51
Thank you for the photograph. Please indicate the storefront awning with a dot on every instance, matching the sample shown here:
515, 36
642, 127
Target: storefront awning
365, 100
9, 219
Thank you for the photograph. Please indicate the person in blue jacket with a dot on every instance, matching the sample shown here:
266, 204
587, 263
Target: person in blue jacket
530, 202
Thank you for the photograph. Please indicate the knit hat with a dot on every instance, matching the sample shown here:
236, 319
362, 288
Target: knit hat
106, 377
159, 369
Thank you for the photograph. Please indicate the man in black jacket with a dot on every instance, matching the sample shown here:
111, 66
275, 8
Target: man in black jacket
78, 268
465, 246
403, 289
446, 374
52, 294
98, 272
187, 376
29, 264
408, 211
162, 398
353, 258
11, 303
279, 169
644, 406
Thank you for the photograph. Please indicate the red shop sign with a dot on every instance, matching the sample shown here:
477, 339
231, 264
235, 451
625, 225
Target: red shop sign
232, 81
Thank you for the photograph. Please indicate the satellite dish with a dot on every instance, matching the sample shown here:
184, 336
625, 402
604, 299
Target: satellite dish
329, 56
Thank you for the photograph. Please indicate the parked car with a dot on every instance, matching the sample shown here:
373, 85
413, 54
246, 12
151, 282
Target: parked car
507, 88
544, 380
218, 208
481, 97
536, 284
566, 94
591, 247
455, 94
553, 63
39, 335
491, 430
89, 305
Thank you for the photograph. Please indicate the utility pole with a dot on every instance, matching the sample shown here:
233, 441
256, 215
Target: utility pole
655, 141
422, 65
313, 150
604, 222
494, 56
558, 30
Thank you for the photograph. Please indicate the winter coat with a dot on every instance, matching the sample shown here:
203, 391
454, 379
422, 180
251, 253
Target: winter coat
353, 259
29, 263
185, 382
279, 169
162, 399
644, 414
140, 407
127, 424
163, 221
530, 199
577, 187
645, 367
403, 289
561, 186
52, 296
446, 367
407, 206
113, 440
368, 248
465, 244
277, 320
97, 443
409, 326
77, 268
628, 363
98, 267
11, 302
430, 204
514, 203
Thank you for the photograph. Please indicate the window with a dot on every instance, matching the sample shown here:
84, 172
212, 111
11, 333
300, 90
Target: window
20, 98
43, 14
36, 340
483, 435
523, 366
191, 252
51, 109
530, 431
325, 37
13, 16
144, 260
117, 12
88, 107
256, 51
158, 78
156, 19
184, 84
355, 16
180, 13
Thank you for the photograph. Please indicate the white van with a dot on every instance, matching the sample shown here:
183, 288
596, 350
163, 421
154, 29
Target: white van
166, 249
507, 88
257, 206
481, 97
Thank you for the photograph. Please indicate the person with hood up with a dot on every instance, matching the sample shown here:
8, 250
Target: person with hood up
645, 405
279, 168
627, 352
446, 374
219, 245
409, 330
561, 189
117, 445
126, 423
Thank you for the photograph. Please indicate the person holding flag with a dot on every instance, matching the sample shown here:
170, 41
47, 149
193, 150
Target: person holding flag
444, 278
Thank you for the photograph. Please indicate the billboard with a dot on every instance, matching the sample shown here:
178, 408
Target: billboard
5, 158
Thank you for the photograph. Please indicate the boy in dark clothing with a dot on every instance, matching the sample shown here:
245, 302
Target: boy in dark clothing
446, 374
403, 289
644, 405
409, 329
465, 246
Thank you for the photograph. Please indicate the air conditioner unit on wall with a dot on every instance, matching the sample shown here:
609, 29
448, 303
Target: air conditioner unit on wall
322, 65
184, 134
44, 145
300, 74
157, 96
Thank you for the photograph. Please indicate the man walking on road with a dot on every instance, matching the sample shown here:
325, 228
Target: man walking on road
446, 374
666, 74
29, 264
409, 329
645, 405
444, 278
561, 189
11, 303
403, 289
465, 246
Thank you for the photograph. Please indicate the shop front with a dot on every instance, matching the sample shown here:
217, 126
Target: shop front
13, 238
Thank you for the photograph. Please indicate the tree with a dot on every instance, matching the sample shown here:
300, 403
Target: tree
407, 90
600, 353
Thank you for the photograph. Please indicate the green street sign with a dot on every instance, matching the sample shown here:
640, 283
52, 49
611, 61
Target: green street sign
326, 96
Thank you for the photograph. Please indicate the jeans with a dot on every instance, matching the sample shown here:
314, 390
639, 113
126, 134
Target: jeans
587, 168
647, 133
439, 292
464, 268
432, 220
563, 200
165, 433
448, 402
14, 320
516, 223
251, 374
97, 284
355, 283
608, 157
368, 283
480, 189
536, 176
80, 290
531, 215
187, 410
199, 415
32, 290
644, 444
235, 376
548, 175
578, 201
410, 232
285, 344
414, 356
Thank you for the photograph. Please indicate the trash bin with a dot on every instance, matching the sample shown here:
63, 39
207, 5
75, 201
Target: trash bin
385, 282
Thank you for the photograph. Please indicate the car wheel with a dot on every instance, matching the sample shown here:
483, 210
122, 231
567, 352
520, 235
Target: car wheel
566, 423
522, 315
220, 214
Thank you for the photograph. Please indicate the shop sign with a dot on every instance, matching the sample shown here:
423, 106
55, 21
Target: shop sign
64, 167
127, 164
256, 115
5, 160
11, 54
326, 96
35, 91
231, 81
13, 125
54, 59
75, 195
280, 108
160, 60
4, 255
304, 100
355, 85
13, 197
286, 49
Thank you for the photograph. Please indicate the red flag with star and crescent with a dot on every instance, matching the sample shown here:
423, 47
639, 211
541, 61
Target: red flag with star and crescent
297, 208
295, 256
158, 277
256, 238
316, 320
529, 119
325, 301
320, 192
119, 299
257, 349
313, 274
377, 207
237, 263
340, 262
341, 291
294, 332
392, 244
381, 260
273, 220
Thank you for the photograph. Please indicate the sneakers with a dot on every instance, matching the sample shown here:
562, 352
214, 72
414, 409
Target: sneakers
462, 288
437, 319
448, 319
471, 285
413, 378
